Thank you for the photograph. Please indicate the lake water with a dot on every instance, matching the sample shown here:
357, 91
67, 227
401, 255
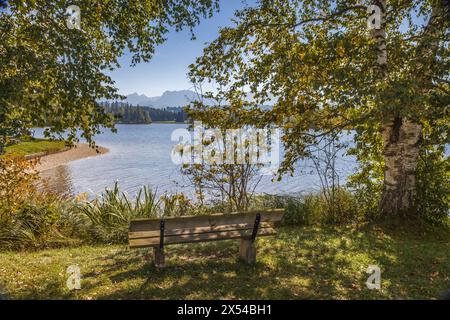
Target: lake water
141, 155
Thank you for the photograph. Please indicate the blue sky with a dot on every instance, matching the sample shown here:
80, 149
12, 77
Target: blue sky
168, 68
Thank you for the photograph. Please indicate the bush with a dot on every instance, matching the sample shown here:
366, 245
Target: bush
313, 208
110, 214
433, 186
17, 183
28, 217
106, 218
299, 210
33, 225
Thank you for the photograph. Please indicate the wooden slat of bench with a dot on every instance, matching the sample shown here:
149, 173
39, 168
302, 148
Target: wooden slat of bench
139, 225
173, 232
213, 236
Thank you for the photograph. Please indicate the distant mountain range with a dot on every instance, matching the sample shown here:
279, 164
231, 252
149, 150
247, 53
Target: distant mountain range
168, 99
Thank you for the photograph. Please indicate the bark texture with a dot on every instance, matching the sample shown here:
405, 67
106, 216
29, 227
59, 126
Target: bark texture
402, 137
402, 140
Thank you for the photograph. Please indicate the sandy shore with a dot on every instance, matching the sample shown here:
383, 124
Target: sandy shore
80, 151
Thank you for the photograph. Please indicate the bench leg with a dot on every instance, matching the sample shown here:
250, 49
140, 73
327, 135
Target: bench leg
247, 251
158, 257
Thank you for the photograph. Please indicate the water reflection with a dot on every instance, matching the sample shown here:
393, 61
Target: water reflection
57, 180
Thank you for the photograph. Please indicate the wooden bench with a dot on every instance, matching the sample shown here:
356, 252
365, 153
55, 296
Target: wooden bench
158, 233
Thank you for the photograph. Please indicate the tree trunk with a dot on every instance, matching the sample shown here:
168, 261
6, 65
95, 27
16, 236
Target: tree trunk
402, 139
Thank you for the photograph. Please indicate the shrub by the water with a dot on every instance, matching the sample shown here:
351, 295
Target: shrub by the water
28, 216
313, 208
109, 214
32, 217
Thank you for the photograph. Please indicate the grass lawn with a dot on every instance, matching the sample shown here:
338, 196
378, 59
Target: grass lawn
300, 263
34, 146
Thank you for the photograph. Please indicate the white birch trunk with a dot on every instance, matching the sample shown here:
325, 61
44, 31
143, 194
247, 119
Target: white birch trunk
402, 137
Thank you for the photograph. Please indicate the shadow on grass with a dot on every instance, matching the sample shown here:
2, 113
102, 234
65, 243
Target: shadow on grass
50, 289
213, 271
311, 264
299, 263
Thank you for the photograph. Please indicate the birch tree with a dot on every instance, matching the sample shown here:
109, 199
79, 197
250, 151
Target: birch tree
378, 68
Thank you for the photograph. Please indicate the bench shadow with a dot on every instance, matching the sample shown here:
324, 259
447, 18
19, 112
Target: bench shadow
214, 271
288, 266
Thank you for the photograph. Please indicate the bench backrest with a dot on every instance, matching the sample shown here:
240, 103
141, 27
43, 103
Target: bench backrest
146, 232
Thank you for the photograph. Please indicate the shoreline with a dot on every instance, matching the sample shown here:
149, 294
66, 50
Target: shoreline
80, 151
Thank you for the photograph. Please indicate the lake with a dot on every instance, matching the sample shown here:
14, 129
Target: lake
141, 155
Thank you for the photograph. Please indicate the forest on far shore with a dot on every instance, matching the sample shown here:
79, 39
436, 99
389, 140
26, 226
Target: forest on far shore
128, 114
